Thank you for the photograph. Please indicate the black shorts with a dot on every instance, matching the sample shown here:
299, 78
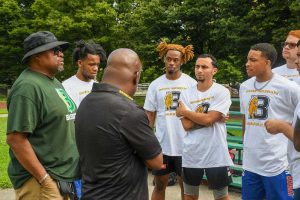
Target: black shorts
173, 164
217, 177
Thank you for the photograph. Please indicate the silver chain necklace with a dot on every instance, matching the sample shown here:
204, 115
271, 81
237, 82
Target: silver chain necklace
265, 85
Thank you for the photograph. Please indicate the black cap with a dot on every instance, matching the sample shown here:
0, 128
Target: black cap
39, 42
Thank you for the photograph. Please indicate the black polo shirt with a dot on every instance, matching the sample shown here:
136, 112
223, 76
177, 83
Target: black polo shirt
113, 139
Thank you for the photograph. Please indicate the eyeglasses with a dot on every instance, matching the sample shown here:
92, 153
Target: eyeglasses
290, 45
56, 50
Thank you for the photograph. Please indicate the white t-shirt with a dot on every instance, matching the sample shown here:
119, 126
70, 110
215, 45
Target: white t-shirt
291, 74
266, 154
77, 89
163, 96
294, 156
207, 147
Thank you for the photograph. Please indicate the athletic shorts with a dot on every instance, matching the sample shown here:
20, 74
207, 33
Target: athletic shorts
256, 186
173, 164
217, 177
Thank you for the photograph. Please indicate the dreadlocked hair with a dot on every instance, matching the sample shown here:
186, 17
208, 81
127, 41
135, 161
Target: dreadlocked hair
187, 52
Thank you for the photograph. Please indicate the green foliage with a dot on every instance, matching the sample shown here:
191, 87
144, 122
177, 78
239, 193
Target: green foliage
228, 73
151, 73
12, 31
224, 28
75, 20
139, 100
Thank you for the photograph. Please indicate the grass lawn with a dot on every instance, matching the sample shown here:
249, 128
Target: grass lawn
3, 111
4, 158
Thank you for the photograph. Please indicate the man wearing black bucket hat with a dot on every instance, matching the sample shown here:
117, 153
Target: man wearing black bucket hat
40, 126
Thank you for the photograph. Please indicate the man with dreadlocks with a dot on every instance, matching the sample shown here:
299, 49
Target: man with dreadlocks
160, 104
87, 56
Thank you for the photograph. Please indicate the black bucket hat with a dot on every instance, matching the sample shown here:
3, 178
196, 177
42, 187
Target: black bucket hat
39, 42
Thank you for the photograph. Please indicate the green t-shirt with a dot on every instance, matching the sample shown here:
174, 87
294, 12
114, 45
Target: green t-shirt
39, 106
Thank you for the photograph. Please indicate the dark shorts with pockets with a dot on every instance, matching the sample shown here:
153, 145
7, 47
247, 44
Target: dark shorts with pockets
217, 177
173, 164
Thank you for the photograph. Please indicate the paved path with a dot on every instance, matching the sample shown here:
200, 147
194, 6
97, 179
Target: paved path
3, 115
172, 193
7, 194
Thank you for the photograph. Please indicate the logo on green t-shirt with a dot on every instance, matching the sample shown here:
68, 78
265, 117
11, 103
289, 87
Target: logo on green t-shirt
67, 100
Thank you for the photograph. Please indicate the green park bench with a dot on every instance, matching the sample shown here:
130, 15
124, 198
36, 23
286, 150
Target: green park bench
236, 181
235, 113
234, 127
237, 168
234, 139
239, 124
235, 142
235, 100
239, 148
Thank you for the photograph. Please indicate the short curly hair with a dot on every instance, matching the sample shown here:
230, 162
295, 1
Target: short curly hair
267, 50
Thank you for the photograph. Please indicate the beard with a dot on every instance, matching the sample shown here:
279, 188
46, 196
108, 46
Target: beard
89, 76
200, 80
172, 70
60, 68
56, 70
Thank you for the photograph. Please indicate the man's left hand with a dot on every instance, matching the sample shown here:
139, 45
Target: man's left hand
180, 109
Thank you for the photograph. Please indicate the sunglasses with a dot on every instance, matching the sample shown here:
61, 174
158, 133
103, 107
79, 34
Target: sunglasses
290, 45
57, 50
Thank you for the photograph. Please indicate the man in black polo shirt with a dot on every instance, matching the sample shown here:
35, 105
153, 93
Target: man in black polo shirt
114, 140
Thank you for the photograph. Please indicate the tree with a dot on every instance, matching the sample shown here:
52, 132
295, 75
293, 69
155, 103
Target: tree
13, 26
224, 28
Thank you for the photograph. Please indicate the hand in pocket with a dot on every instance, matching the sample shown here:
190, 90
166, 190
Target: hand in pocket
49, 190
